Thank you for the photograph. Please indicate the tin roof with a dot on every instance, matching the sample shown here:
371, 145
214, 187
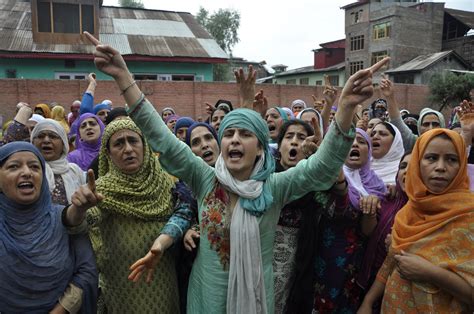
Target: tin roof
152, 33
422, 62
311, 69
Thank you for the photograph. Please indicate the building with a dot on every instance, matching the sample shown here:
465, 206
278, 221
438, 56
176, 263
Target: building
42, 39
328, 60
403, 30
421, 69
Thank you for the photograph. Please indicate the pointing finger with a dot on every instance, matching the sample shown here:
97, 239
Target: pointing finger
379, 64
92, 39
91, 180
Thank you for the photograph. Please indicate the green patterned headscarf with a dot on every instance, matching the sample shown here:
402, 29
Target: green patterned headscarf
250, 120
145, 194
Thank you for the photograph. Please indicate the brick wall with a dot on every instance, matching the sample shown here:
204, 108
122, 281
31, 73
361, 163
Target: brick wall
187, 98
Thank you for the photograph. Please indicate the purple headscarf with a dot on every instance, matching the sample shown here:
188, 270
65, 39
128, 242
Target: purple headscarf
375, 251
364, 180
85, 153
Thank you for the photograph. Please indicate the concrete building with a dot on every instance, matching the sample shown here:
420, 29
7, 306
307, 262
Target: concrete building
402, 30
328, 60
422, 68
43, 39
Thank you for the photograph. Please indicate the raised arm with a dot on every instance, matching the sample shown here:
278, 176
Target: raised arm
87, 103
319, 172
176, 157
330, 95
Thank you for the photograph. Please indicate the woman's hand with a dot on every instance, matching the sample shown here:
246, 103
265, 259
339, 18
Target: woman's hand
466, 118
358, 87
58, 309
260, 103
147, 263
413, 267
188, 240
108, 60
246, 86
369, 204
311, 143
386, 87
362, 124
329, 92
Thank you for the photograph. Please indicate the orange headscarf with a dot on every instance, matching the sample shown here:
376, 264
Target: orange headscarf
45, 109
425, 211
58, 114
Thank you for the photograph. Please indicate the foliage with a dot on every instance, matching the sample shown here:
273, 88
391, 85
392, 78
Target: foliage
223, 25
449, 89
132, 4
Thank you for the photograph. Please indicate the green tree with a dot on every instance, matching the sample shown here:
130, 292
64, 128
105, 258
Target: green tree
449, 89
132, 4
223, 25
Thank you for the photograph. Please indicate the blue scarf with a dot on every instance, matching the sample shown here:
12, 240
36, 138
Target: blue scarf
35, 261
250, 120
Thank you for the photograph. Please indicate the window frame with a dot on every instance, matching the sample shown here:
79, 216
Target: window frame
355, 66
378, 55
72, 75
357, 43
386, 27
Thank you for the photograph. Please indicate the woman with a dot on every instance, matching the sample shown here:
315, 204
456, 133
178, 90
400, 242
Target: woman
308, 114
137, 204
429, 268
297, 229
181, 126
238, 185
218, 115
387, 150
58, 113
297, 106
275, 117
88, 140
344, 230
376, 249
43, 110
171, 121
42, 268
64, 178
166, 112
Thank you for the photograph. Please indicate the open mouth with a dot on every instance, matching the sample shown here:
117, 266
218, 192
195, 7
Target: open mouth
46, 149
375, 145
235, 154
354, 154
271, 128
129, 159
90, 133
207, 154
25, 186
292, 153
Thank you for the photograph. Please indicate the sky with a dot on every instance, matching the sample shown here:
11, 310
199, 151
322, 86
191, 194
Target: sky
276, 33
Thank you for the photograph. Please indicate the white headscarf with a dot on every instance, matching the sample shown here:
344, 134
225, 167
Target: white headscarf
73, 176
246, 287
320, 119
386, 167
298, 102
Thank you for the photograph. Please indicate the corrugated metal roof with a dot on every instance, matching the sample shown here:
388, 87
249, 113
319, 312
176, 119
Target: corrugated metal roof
465, 17
421, 62
310, 69
131, 31
152, 28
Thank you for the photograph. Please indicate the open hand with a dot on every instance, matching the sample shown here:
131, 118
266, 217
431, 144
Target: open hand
369, 204
147, 263
246, 85
260, 103
386, 87
329, 92
466, 118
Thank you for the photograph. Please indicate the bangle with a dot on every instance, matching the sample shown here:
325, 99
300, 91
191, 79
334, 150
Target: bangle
126, 88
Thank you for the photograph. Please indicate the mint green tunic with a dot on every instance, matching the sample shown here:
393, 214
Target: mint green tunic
207, 292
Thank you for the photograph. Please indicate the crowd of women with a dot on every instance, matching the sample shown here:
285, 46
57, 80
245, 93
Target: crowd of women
299, 209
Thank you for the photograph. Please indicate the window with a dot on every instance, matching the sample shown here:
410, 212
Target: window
356, 66
356, 16
10, 73
404, 78
65, 18
319, 83
357, 43
381, 30
182, 77
377, 56
70, 76
304, 81
291, 82
334, 80
199, 78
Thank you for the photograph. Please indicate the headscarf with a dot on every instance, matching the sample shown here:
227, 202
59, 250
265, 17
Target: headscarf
115, 113
73, 176
226, 104
107, 102
100, 107
183, 122
289, 112
375, 251
172, 117
85, 153
36, 118
377, 113
320, 119
427, 111
297, 102
58, 114
246, 290
145, 194
71, 117
195, 125
363, 181
386, 167
282, 113
426, 211
167, 109
36, 265
45, 109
